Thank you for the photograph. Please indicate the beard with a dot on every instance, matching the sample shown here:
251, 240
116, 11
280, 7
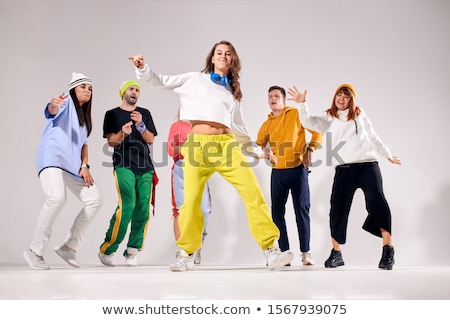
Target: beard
131, 101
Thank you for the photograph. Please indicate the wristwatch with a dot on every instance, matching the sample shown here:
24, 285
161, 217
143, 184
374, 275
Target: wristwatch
86, 166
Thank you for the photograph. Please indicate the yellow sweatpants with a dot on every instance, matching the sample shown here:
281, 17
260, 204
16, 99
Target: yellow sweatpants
204, 155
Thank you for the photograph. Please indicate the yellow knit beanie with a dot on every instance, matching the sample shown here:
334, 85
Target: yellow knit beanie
346, 85
124, 86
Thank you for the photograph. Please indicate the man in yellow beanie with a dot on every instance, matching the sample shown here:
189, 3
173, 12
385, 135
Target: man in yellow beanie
125, 85
130, 130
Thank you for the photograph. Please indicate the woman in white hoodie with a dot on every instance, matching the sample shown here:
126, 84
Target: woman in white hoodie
356, 167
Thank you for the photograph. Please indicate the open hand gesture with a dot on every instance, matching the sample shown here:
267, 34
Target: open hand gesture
297, 96
395, 160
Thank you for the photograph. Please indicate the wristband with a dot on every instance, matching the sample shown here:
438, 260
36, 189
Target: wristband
309, 149
141, 127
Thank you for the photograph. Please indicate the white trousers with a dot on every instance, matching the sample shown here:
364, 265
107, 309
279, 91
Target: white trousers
55, 183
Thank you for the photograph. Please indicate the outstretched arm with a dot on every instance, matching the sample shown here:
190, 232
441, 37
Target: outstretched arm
315, 123
153, 79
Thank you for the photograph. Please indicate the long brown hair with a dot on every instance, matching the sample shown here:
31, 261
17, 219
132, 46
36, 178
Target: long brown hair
83, 112
353, 109
233, 74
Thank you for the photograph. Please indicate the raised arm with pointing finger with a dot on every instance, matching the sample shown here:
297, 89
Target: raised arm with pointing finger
211, 101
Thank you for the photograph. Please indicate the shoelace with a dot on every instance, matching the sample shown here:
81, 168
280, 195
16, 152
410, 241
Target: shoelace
184, 259
274, 250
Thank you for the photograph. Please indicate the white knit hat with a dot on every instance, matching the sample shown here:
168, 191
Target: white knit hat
77, 79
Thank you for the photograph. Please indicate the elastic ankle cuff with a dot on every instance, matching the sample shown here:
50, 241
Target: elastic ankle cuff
132, 250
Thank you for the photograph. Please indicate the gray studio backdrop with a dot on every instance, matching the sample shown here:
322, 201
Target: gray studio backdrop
395, 53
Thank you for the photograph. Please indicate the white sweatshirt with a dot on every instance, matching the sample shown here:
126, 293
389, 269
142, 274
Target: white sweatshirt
202, 99
353, 141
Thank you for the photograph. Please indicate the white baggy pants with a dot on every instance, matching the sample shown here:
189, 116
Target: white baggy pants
55, 182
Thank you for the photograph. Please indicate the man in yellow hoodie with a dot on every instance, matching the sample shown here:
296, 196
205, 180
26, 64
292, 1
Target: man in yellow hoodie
286, 137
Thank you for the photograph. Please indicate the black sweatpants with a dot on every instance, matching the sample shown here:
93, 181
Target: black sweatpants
348, 178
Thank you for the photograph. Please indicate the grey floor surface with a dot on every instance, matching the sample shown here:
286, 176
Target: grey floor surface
224, 282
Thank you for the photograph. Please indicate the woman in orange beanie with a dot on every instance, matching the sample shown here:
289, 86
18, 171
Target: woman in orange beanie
356, 167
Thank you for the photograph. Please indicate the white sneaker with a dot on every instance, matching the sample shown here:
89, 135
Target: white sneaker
107, 260
277, 259
307, 259
197, 256
67, 254
185, 263
131, 257
178, 254
131, 260
34, 261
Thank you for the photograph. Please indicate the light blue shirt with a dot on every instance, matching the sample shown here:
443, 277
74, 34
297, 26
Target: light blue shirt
62, 140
